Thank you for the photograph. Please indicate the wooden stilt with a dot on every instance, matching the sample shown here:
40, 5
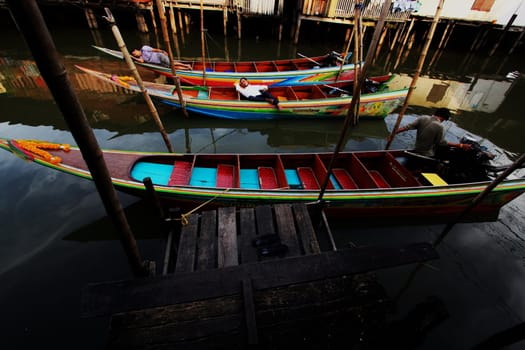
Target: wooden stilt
141, 22
239, 22
225, 20
495, 47
516, 43
173, 27
181, 26
399, 30
406, 52
280, 35
153, 19
380, 44
348, 36
473, 48
297, 31
404, 43
187, 22
442, 43
388, 63
348, 40
91, 19
226, 51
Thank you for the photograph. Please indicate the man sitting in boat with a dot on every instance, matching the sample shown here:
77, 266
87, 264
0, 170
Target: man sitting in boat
430, 133
149, 54
256, 92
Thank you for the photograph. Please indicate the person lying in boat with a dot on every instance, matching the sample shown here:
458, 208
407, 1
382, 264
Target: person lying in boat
430, 133
149, 54
256, 92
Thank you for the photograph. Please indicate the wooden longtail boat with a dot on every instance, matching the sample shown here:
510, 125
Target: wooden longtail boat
315, 101
370, 185
286, 72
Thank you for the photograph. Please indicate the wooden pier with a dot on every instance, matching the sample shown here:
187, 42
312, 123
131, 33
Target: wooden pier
221, 288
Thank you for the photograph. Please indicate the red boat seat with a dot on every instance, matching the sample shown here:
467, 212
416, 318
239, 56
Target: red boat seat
180, 175
267, 178
225, 175
308, 179
343, 177
379, 179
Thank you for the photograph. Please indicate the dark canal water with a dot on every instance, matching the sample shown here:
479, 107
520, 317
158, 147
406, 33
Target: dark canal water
55, 238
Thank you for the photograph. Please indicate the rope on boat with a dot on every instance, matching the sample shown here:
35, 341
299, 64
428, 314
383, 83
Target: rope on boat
184, 217
39, 147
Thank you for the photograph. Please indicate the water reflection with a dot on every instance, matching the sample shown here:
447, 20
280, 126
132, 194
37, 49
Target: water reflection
469, 93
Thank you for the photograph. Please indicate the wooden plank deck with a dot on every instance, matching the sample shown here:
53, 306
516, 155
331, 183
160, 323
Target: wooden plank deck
221, 287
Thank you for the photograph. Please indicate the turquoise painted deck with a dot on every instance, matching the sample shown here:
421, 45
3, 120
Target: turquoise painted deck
159, 173
203, 177
249, 178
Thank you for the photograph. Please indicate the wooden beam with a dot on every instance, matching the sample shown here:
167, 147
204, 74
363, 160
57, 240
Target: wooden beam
113, 297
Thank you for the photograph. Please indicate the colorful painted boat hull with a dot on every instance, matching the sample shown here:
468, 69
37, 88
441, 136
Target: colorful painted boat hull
319, 102
376, 186
227, 76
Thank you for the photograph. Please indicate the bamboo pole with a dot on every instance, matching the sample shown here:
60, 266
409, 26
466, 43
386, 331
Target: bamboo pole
31, 23
428, 40
176, 80
122, 46
350, 115
202, 46
358, 58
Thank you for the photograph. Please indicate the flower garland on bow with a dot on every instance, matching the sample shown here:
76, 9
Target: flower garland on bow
39, 147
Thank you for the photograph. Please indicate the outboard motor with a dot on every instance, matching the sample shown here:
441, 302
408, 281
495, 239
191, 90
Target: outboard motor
466, 165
